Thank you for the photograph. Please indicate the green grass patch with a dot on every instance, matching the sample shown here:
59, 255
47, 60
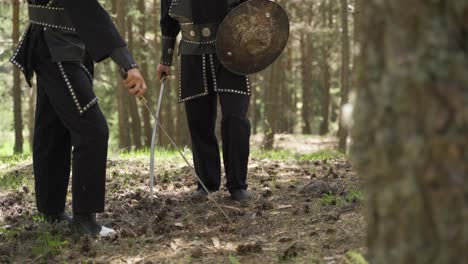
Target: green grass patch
11, 232
322, 155
11, 181
49, 245
11, 160
282, 155
353, 257
353, 196
233, 259
160, 153
330, 199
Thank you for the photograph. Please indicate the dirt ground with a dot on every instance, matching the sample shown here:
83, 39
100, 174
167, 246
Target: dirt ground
307, 209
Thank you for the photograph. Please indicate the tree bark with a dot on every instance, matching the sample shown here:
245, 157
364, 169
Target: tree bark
345, 75
253, 111
327, 17
306, 72
271, 103
17, 111
133, 105
122, 97
410, 129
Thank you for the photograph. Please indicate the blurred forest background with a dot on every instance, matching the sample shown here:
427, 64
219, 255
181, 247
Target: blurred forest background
409, 129
302, 93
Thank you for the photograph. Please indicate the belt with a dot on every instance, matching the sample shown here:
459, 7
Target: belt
199, 34
52, 17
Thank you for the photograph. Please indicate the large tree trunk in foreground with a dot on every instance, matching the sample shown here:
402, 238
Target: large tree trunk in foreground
410, 136
17, 113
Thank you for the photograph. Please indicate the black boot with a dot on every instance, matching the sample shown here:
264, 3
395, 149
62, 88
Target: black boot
241, 195
86, 224
56, 218
199, 194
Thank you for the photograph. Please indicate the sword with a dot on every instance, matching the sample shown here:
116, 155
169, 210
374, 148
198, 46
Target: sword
154, 137
171, 140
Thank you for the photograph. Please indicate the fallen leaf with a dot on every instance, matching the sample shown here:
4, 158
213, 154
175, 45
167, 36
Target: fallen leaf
173, 246
215, 241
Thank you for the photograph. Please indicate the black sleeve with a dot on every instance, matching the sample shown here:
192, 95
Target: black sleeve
123, 58
95, 27
170, 28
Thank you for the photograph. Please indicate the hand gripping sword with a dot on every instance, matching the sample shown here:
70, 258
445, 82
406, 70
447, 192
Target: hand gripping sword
153, 145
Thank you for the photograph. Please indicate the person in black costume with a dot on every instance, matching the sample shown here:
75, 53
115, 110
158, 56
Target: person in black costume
203, 80
61, 44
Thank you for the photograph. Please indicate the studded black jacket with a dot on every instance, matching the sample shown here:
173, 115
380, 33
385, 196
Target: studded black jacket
89, 36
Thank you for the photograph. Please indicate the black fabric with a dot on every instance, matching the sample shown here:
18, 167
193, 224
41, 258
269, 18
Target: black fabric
123, 58
194, 74
95, 38
94, 26
64, 45
208, 11
64, 139
235, 127
48, 16
196, 12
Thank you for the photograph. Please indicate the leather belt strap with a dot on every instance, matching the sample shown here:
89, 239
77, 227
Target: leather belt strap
199, 34
53, 17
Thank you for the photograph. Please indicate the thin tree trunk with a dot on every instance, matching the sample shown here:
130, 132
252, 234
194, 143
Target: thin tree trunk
143, 58
410, 130
326, 78
122, 102
272, 102
345, 75
17, 111
133, 106
306, 72
253, 104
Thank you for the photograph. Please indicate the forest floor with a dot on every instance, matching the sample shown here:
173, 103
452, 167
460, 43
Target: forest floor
307, 209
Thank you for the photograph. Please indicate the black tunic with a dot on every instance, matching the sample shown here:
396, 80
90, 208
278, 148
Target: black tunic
199, 67
93, 37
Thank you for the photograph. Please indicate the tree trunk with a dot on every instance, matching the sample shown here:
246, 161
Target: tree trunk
345, 78
122, 102
271, 103
17, 112
306, 72
253, 103
133, 105
143, 54
410, 130
327, 17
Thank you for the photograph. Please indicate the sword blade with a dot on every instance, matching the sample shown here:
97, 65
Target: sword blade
154, 139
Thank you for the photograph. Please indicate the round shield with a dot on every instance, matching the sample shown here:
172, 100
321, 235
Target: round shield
252, 36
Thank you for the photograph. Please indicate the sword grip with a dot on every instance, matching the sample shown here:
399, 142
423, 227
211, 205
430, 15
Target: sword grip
143, 99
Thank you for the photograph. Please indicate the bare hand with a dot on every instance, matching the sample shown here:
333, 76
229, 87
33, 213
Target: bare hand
135, 83
163, 70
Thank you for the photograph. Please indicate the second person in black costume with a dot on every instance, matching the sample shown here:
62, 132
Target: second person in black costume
204, 80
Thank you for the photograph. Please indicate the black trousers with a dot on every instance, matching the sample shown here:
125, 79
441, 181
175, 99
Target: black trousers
70, 131
235, 132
